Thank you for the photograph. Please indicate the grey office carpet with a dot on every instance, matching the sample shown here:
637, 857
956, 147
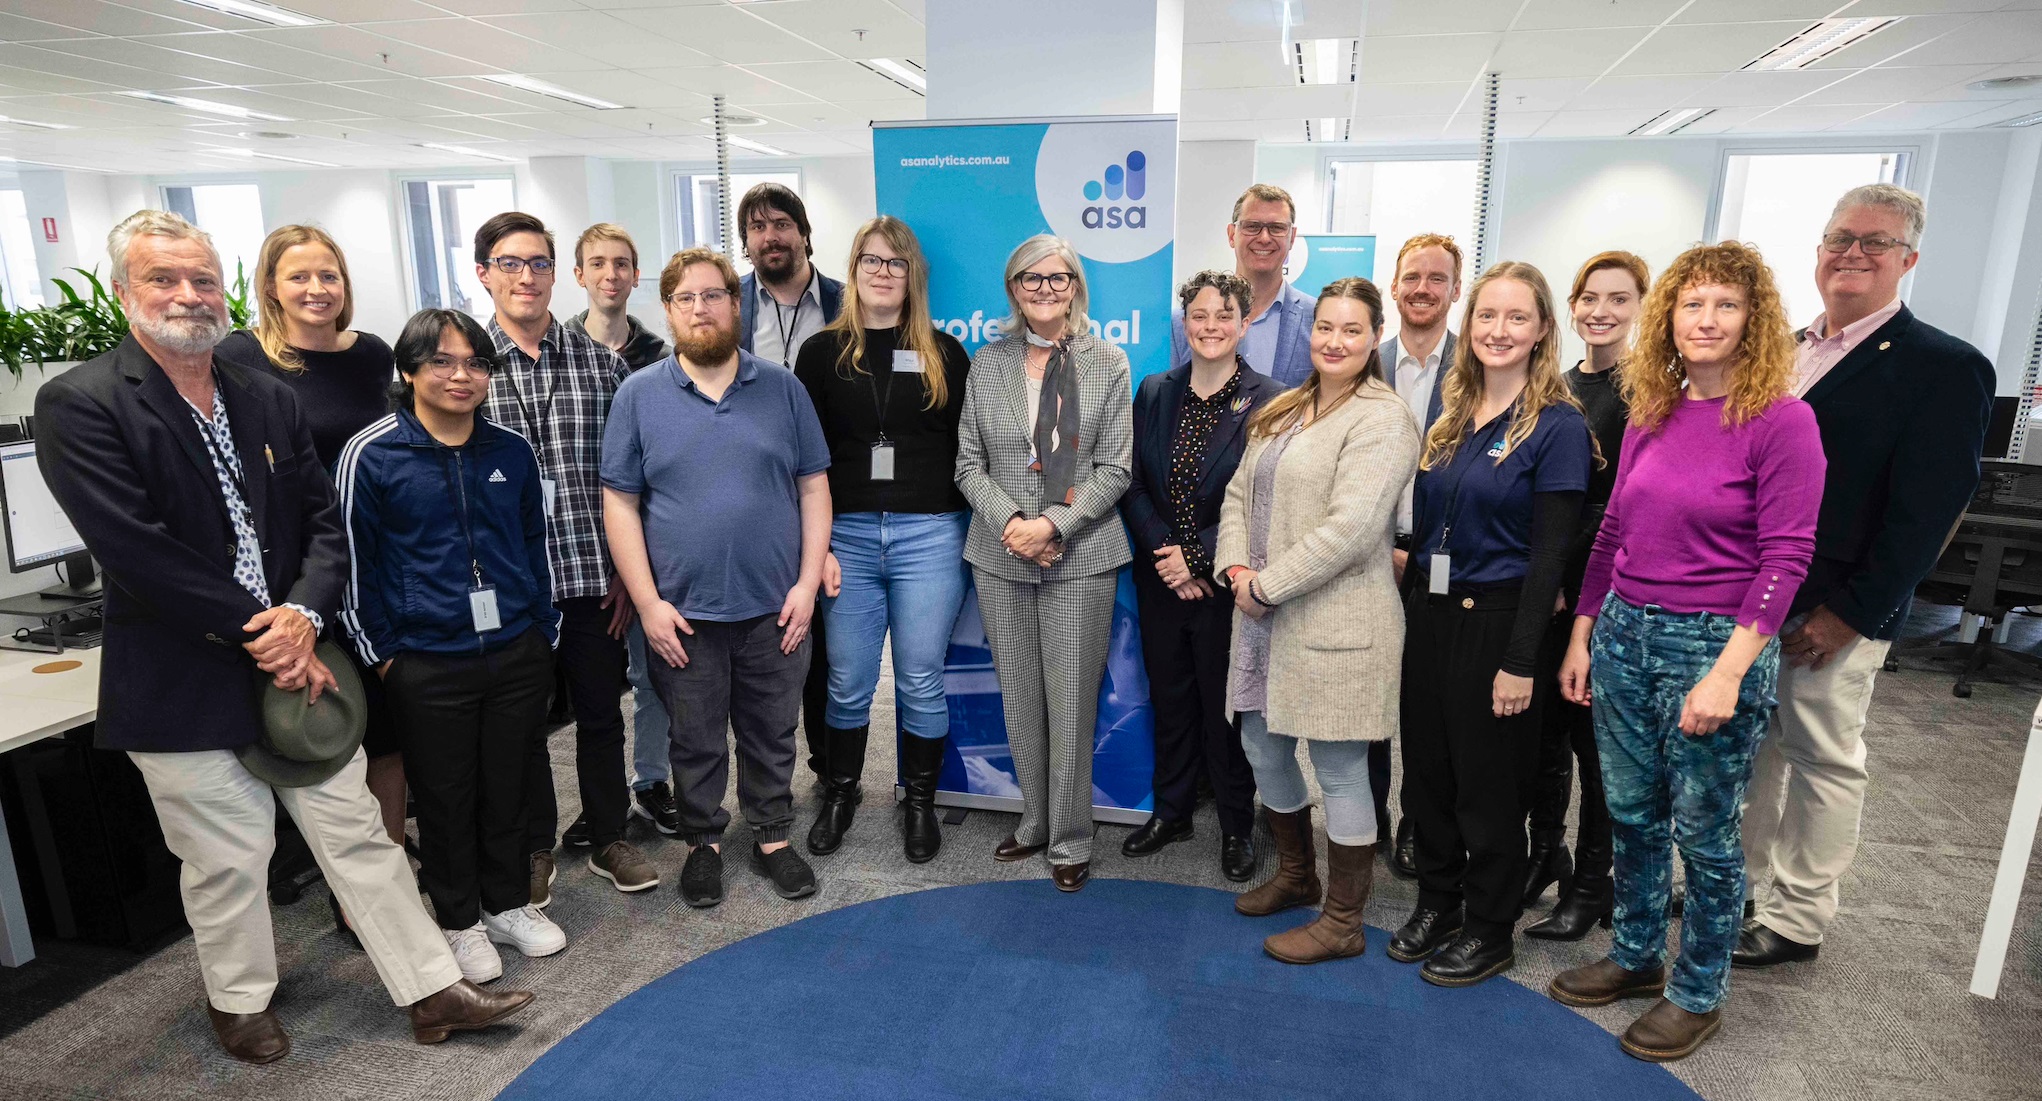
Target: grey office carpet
1884, 1013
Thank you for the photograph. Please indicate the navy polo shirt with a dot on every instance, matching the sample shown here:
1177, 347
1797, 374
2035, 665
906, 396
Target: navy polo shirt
1483, 509
716, 483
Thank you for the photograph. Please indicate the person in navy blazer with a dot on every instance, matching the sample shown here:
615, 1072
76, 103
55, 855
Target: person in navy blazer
1279, 330
1190, 428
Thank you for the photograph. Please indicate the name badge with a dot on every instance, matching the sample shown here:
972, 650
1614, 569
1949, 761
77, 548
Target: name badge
882, 462
550, 488
907, 360
1442, 567
482, 605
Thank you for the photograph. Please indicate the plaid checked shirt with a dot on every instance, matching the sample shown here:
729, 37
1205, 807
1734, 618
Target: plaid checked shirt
559, 403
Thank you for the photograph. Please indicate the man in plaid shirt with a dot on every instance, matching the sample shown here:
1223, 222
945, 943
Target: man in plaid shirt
554, 386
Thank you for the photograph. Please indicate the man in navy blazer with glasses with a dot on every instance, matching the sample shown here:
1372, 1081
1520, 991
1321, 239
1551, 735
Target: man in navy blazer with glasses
1278, 344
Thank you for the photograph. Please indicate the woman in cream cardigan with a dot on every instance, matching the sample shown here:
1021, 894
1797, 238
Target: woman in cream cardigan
1305, 546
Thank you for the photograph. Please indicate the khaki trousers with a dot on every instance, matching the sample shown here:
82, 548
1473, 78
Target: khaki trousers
1807, 790
220, 820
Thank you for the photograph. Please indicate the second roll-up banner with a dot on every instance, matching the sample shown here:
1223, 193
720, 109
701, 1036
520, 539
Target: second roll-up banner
972, 191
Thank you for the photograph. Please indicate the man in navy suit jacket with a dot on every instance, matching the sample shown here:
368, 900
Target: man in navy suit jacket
1278, 343
1902, 406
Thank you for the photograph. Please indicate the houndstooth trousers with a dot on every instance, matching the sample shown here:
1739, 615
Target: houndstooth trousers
1049, 643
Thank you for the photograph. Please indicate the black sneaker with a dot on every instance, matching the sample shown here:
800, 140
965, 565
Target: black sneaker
656, 805
791, 875
577, 835
702, 878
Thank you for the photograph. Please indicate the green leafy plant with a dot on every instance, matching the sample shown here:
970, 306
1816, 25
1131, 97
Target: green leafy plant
86, 325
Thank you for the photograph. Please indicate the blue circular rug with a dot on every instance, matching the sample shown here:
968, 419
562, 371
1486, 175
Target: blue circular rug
1125, 990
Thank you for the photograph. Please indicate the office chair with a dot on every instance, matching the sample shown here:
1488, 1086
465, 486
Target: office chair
1991, 567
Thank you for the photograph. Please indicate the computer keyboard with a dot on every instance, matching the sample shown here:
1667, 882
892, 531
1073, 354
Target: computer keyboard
80, 633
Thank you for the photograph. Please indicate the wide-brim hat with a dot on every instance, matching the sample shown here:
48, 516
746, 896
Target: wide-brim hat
300, 745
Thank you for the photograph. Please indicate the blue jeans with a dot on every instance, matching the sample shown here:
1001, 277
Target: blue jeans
1342, 768
904, 572
649, 764
1666, 788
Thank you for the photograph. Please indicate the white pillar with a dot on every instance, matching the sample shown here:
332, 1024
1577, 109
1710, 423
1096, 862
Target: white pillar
1210, 176
998, 59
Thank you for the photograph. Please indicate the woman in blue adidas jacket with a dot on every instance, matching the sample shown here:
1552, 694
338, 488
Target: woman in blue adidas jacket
451, 603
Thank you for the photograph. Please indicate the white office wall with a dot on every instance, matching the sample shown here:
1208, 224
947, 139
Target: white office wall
1297, 169
1210, 176
359, 209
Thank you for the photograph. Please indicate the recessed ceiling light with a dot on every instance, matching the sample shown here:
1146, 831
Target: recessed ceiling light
1327, 60
252, 9
38, 125
730, 120
210, 107
2023, 120
462, 149
1328, 129
909, 75
540, 87
266, 135
756, 146
1671, 122
234, 152
2004, 83
1817, 42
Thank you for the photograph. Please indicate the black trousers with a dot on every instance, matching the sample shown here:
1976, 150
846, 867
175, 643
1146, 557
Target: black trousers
1185, 646
815, 695
1467, 774
468, 723
1567, 734
594, 664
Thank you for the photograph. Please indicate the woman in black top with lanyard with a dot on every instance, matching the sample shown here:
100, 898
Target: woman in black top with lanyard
1494, 510
888, 387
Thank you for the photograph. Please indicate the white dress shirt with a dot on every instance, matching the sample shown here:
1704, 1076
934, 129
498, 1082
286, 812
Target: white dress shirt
1415, 380
778, 331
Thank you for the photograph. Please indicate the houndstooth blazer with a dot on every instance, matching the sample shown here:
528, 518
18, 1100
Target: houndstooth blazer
993, 452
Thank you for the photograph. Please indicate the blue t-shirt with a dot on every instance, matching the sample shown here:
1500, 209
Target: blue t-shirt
716, 483
1487, 505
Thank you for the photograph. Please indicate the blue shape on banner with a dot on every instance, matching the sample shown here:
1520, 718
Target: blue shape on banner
1319, 258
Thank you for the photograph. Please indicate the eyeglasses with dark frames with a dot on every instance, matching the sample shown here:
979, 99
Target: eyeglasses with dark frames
1876, 244
515, 265
1263, 229
871, 264
1033, 280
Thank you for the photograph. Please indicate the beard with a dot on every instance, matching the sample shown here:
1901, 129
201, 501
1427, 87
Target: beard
706, 349
777, 264
184, 331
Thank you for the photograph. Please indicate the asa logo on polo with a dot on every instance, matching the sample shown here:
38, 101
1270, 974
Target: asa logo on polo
1115, 203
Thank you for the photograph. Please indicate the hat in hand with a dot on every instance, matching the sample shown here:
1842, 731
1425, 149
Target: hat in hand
300, 745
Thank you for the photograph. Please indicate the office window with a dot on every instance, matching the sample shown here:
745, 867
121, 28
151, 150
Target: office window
443, 216
231, 213
1779, 202
21, 284
1397, 200
695, 198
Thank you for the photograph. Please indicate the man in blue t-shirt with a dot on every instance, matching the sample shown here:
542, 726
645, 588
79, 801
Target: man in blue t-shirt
718, 514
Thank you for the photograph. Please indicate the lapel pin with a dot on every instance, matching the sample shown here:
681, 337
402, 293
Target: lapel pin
1239, 403
1885, 344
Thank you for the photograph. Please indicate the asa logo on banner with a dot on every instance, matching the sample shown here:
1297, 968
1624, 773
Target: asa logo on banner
1108, 212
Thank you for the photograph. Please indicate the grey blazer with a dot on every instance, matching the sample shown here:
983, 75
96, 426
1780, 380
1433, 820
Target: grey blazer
993, 450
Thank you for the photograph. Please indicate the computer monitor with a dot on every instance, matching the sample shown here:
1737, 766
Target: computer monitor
38, 532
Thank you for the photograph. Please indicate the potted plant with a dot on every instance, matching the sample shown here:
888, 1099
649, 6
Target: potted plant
83, 326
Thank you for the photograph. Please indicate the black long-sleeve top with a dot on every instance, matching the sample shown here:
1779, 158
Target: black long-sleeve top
850, 403
341, 392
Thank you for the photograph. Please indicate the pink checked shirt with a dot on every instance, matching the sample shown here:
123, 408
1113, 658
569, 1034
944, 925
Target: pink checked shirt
1818, 354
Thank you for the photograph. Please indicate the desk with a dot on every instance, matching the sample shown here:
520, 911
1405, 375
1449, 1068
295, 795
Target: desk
34, 706
2013, 868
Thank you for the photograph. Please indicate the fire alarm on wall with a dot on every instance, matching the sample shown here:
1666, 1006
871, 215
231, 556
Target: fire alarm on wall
50, 230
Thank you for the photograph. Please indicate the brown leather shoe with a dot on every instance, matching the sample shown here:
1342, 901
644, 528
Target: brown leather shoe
1071, 877
1296, 882
463, 1007
543, 873
250, 1037
1337, 932
1011, 850
1603, 982
1667, 1032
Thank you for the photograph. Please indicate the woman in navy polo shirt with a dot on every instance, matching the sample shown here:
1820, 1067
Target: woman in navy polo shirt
1498, 496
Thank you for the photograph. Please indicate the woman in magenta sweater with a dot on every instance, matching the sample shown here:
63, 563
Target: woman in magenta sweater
1708, 534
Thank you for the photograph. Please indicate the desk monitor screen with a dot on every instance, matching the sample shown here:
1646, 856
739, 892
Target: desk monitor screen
38, 532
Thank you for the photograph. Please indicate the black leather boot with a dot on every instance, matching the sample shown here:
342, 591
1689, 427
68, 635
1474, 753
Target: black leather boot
1585, 904
921, 762
843, 764
1550, 864
1404, 855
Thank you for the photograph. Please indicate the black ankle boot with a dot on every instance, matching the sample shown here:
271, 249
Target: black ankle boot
921, 762
1584, 905
843, 764
1550, 864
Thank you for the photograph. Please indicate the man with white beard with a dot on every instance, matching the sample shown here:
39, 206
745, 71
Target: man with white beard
195, 485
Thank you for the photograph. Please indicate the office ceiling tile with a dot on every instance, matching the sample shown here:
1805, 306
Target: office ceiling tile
1999, 38
385, 54
1414, 59
1240, 20
1583, 53
485, 47
1573, 14
1912, 116
1433, 17
17, 28
1896, 84
729, 81
1236, 65
740, 38
1711, 48
830, 24
264, 54
604, 38
1802, 119
1432, 98
1634, 92
1895, 44
1763, 89
151, 58
834, 80
1592, 124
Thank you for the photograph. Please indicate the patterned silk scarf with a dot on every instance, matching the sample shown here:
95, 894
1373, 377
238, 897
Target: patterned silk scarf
1056, 426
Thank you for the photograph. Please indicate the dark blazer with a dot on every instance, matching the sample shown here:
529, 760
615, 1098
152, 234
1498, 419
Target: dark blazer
1903, 423
1146, 504
1293, 362
1446, 363
829, 290
122, 455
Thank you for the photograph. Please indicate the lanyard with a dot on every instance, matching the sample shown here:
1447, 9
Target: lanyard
880, 401
536, 425
1453, 503
457, 491
787, 329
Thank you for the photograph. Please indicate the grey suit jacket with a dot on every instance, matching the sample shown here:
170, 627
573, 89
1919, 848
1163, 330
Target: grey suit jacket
993, 452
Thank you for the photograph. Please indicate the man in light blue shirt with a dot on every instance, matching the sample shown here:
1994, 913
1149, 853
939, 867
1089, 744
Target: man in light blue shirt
1278, 344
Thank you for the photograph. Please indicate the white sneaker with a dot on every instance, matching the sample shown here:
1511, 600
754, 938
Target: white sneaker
526, 929
477, 957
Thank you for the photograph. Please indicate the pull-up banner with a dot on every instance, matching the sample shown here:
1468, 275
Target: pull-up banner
972, 191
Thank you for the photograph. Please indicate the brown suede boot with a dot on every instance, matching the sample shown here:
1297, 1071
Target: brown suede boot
1667, 1032
1603, 982
1296, 882
1337, 932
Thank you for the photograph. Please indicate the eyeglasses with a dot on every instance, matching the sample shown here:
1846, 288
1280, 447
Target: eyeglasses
1034, 280
514, 265
870, 265
1878, 244
1264, 229
443, 367
686, 299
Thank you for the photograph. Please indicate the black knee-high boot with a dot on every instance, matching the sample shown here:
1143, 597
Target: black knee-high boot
921, 762
843, 763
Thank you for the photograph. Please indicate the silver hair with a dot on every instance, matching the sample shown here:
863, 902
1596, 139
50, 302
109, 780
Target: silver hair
1893, 197
1033, 251
152, 223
